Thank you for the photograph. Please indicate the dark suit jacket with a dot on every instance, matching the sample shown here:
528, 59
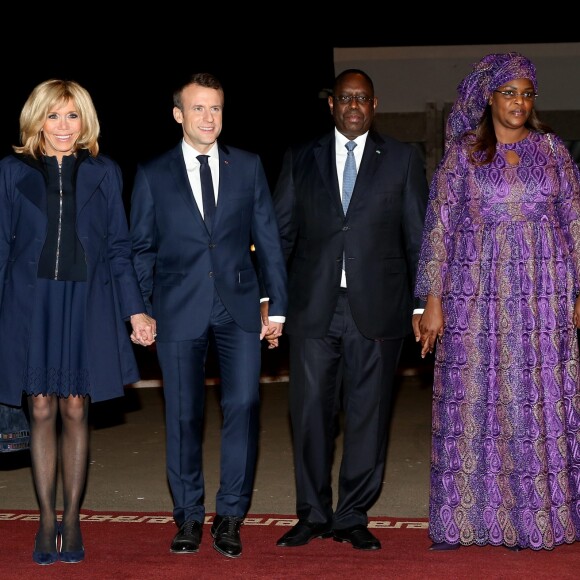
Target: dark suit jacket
380, 236
178, 263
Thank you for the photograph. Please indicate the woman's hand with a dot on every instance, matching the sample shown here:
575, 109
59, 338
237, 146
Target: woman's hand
576, 316
144, 329
430, 325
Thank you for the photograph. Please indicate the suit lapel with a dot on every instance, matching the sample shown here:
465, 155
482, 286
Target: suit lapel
373, 155
325, 156
179, 172
226, 182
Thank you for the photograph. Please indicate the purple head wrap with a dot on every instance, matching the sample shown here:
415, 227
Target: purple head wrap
474, 91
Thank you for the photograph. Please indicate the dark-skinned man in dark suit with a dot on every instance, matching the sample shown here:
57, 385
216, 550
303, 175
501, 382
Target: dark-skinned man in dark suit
350, 306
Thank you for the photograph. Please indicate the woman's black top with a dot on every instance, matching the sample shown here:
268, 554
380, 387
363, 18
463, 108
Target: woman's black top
62, 256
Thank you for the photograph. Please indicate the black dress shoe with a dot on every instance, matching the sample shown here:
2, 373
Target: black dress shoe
359, 536
443, 547
226, 534
303, 532
187, 539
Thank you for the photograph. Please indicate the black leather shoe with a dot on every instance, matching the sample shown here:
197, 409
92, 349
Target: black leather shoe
443, 547
187, 539
226, 534
303, 532
359, 536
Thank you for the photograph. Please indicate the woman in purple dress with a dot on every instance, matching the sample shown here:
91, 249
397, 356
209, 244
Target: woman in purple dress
500, 271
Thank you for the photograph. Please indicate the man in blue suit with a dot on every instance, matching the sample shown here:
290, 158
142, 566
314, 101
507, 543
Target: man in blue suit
201, 282
352, 258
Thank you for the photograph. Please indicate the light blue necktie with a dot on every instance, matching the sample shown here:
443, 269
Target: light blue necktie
349, 175
348, 179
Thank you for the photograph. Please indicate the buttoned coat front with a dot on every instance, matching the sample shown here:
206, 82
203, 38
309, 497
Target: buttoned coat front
179, 264
380, 236
112, 295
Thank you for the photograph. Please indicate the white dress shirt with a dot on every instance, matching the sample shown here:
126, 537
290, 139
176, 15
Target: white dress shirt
341, 153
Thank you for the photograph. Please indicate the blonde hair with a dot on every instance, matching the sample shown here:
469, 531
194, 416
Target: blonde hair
43, 98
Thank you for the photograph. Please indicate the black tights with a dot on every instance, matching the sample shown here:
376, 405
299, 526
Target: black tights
44, 452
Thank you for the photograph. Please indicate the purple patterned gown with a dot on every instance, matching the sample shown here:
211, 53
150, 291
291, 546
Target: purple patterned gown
501, 247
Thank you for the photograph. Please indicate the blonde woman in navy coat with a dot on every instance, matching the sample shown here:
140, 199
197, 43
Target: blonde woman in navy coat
67, 287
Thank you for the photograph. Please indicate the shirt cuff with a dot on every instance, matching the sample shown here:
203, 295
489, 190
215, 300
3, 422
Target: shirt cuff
277, 318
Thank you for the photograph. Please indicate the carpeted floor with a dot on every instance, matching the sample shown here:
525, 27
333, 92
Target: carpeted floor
123, 545
128, 528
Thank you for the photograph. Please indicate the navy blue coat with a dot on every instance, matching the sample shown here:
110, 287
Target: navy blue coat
113, 293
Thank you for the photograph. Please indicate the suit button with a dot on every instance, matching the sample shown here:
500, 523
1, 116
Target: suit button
211, 246
345, 228
211, 274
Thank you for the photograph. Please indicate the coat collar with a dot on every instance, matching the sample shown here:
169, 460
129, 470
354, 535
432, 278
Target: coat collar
32, 185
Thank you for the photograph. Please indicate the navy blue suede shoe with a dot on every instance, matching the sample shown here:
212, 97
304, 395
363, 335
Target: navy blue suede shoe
72, 556
46, 558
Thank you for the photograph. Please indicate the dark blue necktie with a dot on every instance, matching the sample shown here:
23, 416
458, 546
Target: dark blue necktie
206, 191
349, 175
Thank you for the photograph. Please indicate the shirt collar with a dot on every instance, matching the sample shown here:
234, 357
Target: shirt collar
341, 140
190, 154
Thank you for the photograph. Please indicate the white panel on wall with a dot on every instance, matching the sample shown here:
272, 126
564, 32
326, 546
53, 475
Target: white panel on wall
408, 77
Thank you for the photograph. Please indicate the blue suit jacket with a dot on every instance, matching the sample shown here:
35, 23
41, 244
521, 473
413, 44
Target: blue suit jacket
179, 264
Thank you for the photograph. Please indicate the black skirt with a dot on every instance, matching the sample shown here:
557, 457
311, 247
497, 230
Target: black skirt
57, 356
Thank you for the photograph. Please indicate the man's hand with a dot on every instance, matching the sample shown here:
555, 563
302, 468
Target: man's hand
271, 331
144, 329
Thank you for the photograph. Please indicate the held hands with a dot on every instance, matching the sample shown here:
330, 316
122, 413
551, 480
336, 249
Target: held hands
271, 331
428, 327
144, 329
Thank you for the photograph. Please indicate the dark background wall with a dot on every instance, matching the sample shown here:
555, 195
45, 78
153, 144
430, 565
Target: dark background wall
271, 86
271, 100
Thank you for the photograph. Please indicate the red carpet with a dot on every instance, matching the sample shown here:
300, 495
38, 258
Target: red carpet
136, 546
